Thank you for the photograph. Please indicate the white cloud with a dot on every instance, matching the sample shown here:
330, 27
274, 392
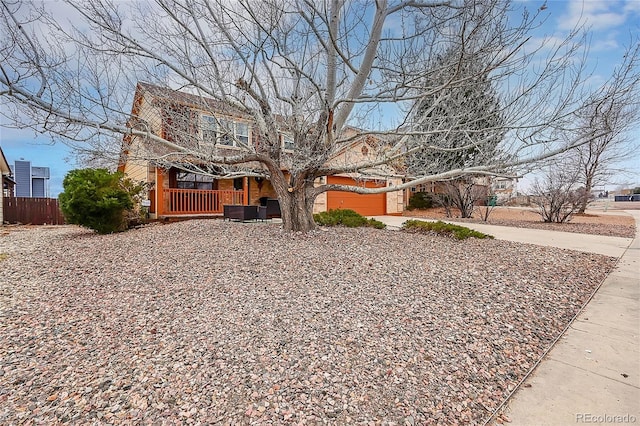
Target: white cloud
605, 45
632, 6
595, 14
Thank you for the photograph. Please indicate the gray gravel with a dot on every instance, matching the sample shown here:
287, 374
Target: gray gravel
210, 322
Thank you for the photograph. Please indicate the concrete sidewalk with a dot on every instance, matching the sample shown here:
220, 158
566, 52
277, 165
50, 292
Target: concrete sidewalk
592, 374
608, 246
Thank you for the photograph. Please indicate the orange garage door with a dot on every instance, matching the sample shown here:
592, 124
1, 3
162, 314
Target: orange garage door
365, 204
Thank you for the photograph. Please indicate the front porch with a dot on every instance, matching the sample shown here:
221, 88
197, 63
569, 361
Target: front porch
180, 194
193, 202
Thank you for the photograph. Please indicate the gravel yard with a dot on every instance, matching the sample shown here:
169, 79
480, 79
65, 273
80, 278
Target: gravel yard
614, 224
211, 322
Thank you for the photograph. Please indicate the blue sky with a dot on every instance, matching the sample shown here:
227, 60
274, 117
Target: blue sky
612, 24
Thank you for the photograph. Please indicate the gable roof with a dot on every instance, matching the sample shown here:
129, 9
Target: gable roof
172, 96
4, 164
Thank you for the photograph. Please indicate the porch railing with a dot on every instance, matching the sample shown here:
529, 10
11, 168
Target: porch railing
198, 201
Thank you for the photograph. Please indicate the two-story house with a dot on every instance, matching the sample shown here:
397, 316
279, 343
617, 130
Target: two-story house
179, 188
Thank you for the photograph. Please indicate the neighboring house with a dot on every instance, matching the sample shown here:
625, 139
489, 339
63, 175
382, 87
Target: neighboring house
7, 183
31, 181
441, 187
504, 188
429, 187
182, 191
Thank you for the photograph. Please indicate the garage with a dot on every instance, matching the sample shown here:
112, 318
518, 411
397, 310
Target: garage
365, 204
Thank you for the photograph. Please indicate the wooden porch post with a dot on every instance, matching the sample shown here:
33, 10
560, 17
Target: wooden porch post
159, 191
245, 192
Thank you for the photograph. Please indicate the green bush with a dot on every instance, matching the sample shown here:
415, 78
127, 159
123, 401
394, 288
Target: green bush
443, 228
346, 217
372, 223
97, 199
420, 200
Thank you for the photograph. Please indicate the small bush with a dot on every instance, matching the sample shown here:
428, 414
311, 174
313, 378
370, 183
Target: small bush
137, 215
97, 199
372, 223
346, 217
420, 200
556, 195
440, 227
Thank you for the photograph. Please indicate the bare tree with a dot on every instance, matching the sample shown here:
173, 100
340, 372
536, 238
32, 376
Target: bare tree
462, 194
307, 68
488, 207
558, 195
607, 120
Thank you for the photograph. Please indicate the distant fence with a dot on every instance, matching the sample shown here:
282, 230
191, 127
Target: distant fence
632, 197
35, 211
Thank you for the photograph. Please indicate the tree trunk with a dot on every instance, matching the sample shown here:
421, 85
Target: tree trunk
297, 211
296, 204
461, 194
588, 185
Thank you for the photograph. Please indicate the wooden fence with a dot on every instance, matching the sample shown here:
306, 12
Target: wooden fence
35, 211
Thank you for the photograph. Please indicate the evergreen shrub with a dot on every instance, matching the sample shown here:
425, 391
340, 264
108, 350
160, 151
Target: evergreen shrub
97, 199
420, 201
346, 217
443, 228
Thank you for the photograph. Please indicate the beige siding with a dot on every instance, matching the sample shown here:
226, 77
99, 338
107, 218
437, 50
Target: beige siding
395, 199
136, 166
152, 116
137, 170
320, 203
356, 153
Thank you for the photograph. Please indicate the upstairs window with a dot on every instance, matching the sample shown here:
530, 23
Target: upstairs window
287, 142
224, 132
242, 133
209, 129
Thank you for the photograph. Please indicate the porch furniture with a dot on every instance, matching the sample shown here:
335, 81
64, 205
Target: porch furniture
272, 205
244, 213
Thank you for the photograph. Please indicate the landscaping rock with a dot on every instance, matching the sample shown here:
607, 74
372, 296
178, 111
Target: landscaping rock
211, 322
